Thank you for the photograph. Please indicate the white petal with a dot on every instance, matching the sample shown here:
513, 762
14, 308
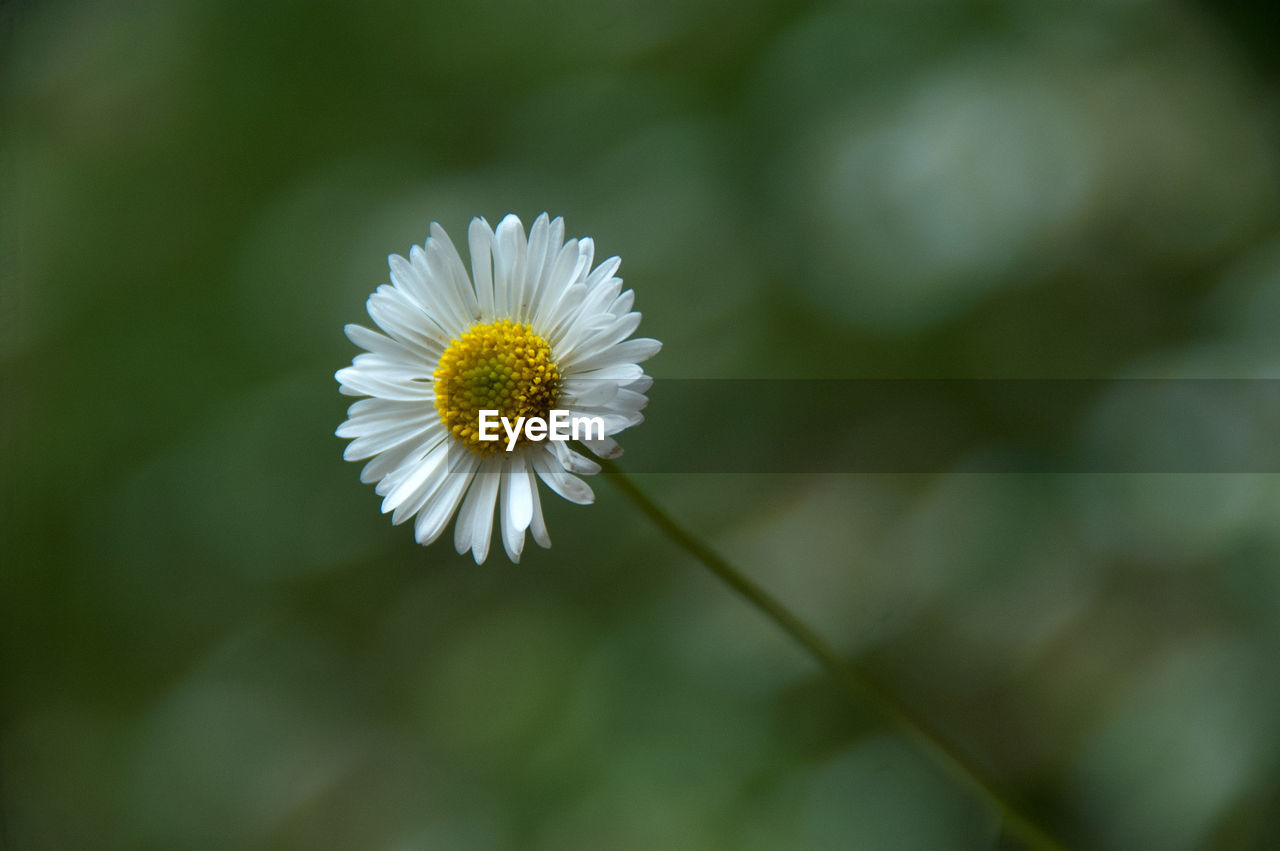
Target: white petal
385, 346
372, 406
586, 253
556, 236
440, 508
555, 244
587, 314
625, 405
480, 242
537, 526
629, 352
436, 459
368, 384
630, 400
640, 385
601, 296
457, 272
599, 341
574, 462
386, 464
406, 321
386, 437
516, 508
563, 314
578, 391
415, 282
622, 304
411, 455
390, 369
542, 277
517, 501
573, 331
622, 372
508, 263
568, 486
466, 516
535, 265
474, 528
606, 447
423, 493
559, 278
512, 538
603, 272
410, 278
442, 299
369, 416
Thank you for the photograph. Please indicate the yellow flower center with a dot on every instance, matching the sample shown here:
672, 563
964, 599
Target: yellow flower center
500, 366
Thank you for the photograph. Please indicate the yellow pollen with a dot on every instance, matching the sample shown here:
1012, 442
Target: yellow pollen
500, 366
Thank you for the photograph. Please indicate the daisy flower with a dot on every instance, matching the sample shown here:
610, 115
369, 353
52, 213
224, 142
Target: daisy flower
533, 328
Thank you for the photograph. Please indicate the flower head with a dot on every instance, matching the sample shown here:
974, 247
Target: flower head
534, 329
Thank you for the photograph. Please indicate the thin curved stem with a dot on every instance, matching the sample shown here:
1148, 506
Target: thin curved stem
858, 682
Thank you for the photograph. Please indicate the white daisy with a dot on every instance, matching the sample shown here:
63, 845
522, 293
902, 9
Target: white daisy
533, 328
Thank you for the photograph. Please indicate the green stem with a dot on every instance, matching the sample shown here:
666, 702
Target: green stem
854, 678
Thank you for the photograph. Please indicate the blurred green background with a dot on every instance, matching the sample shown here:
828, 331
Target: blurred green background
211, 638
